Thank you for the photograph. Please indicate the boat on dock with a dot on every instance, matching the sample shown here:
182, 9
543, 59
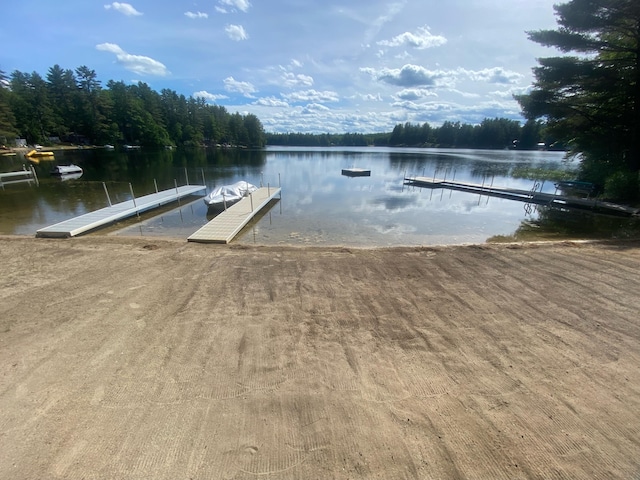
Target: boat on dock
66, 170
227, 195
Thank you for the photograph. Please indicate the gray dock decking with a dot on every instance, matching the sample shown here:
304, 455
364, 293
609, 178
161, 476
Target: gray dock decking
526, 196
104, 216
225, 226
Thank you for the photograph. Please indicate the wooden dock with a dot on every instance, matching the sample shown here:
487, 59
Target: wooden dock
225, 226
527, 196
105, 216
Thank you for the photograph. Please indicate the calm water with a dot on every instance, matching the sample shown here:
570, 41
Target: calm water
319, 206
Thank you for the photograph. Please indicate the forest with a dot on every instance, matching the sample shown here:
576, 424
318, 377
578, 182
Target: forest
72, 106
496, 133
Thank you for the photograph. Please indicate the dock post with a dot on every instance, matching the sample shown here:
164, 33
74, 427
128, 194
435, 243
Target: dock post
155, 184
186, 175
175, 182
202, 172
279, 183
251, 198
35, 175
133, 197
107, 192
268, 189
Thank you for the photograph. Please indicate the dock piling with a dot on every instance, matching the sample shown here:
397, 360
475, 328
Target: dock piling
104, 185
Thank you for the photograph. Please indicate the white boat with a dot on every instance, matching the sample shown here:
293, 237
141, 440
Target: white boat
66, 170
227, 195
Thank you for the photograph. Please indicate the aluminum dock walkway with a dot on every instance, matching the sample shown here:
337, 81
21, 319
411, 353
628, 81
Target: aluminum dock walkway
25, 175
225, 226
104, 216
527, 196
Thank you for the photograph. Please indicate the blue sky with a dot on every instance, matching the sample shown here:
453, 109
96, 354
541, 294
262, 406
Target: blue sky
299, 65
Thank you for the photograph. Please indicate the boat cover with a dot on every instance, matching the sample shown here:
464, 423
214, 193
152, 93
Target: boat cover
229, 193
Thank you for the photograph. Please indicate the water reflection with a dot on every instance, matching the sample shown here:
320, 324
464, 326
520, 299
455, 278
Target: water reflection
318, 205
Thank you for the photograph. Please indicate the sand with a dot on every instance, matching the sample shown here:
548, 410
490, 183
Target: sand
133, 358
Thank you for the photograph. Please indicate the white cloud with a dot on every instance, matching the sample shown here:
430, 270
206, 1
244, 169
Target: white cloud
312, 96
210, 97
271, 102
416, 76
368, 97
123, 8
314, 108
242, 5
494, 75
291, 80
420, 40
236, 32
412, 94
407, 76
245, 88
196, 15
134, 63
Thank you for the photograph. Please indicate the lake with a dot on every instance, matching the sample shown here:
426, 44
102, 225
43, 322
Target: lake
318, 205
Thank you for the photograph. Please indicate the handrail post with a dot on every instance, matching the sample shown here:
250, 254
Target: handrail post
133, 197
107, 192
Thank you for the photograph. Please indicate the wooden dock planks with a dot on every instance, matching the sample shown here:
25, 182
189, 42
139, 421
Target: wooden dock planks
104, 216
224, 227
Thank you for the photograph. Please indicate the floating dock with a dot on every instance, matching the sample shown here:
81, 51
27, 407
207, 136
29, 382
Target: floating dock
225, 226
104, 216
356, 172
527, 196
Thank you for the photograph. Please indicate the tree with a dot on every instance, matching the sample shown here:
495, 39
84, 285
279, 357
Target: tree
592, 99
7, 119
62, 89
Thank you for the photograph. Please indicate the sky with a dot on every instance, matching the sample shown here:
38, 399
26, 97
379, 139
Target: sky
313, 66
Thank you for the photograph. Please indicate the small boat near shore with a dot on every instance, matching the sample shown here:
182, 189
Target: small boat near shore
226, 195
66, 170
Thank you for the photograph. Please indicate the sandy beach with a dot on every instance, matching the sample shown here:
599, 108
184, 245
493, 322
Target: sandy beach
134, 358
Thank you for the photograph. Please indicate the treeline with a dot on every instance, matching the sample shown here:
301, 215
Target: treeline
73, 106
497, 133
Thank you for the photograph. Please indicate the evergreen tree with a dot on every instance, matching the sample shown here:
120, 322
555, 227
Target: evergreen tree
8, 129
592, 98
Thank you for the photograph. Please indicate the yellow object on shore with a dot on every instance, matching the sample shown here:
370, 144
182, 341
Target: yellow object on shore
37, 154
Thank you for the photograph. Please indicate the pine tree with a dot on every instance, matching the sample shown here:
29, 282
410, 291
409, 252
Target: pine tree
591, 99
